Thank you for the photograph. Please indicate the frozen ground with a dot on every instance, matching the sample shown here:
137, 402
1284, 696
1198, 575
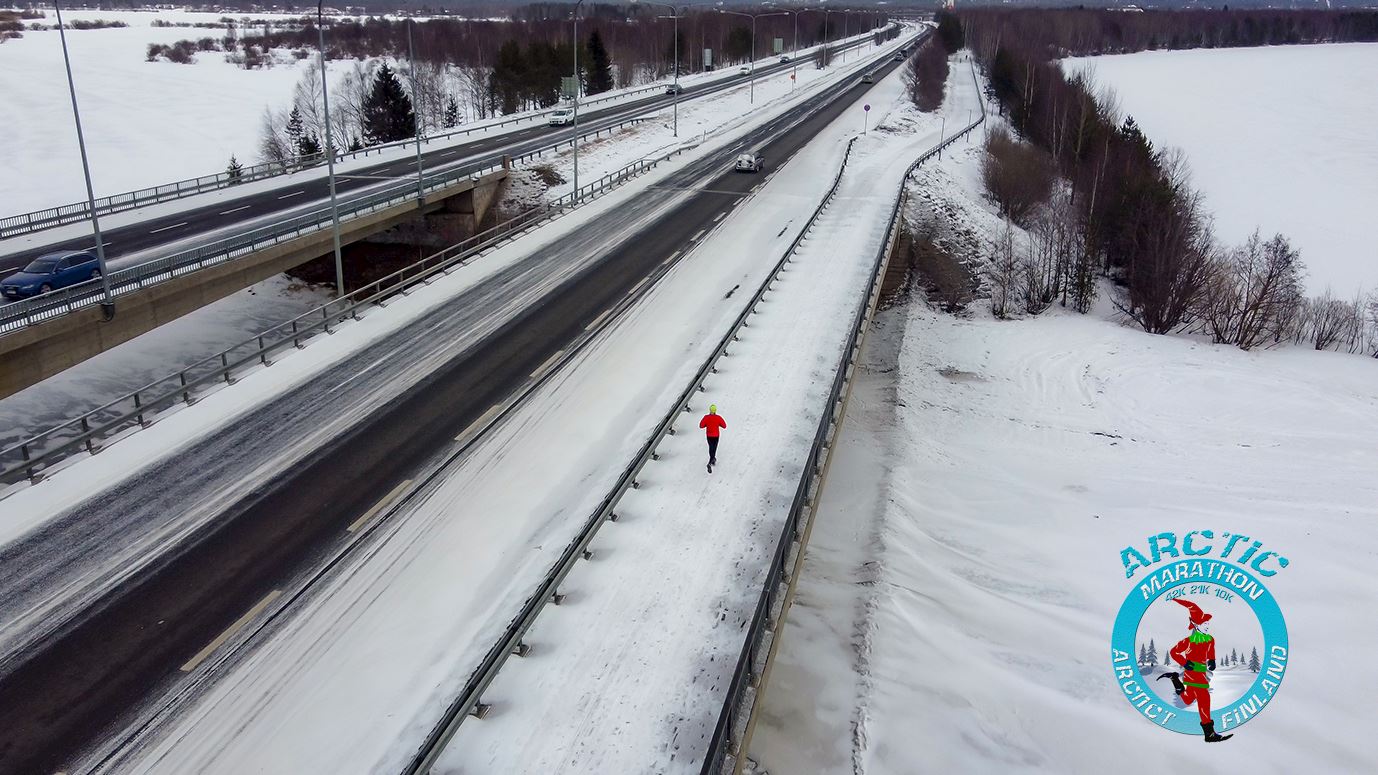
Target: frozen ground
964, 571
146, 123
1279, 138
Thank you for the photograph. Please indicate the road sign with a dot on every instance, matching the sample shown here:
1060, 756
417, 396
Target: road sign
866, 108
568, 85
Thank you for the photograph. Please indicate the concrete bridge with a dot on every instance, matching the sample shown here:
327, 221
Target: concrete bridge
36, 352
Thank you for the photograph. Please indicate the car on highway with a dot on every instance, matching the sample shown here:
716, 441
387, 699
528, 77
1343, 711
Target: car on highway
49, 272
744, 70
868, 78
899, 57
784, 57
749, 162
562, 117
674, 88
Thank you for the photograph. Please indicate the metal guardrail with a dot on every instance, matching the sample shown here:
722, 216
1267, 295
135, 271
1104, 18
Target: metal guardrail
724, 751
15, 225
138, 409
469, 701
36, 309
26, 223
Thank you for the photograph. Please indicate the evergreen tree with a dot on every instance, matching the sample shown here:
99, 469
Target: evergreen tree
308, 145
1233, 658
950, 32
599, 67
1167, 657
388, 115
236, 170
355, 144
1143, 655
1253, 661
451, 112
295, 130
1152, 653
509, 77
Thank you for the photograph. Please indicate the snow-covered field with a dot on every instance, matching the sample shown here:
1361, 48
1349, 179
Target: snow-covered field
1279, 139
964, 572
146, 123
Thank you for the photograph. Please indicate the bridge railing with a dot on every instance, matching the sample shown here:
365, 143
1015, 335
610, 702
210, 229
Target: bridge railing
25, 312
140, 408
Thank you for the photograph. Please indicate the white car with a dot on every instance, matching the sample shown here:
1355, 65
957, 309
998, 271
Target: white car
784, 58
562, 117
749, 162
744, 70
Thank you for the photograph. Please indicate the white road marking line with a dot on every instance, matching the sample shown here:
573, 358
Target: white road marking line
237, 209
695, 238
673, 256
480, 422
548, 362
719, 218
739, 201
637, 287
294, 193
165, 228
377, 507
230, 631
597, 320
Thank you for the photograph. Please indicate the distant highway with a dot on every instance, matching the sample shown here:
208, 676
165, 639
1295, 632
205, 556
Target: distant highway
80, 679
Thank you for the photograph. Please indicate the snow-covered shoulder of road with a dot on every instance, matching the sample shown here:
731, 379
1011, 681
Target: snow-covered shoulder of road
1279, 138
964, 571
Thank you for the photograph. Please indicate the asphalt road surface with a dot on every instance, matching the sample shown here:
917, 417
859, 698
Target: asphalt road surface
291, 194
74, 673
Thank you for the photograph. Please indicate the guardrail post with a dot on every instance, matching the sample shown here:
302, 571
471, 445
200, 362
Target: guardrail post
186, 394
86, 430
138, 407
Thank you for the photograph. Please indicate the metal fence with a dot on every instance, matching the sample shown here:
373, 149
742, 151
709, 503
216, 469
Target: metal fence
725, 750
25, 223
469, 701
139, 408
25, 312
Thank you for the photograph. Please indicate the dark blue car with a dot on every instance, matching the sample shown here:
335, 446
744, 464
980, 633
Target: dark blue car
50, 272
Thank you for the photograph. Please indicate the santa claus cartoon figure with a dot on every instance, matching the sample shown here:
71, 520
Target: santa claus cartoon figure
1196, 654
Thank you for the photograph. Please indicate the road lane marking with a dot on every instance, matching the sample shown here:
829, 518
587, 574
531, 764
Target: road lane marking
548, 362
377, 507
165, 228
237, 209
597, 320
480, 422
695, 238
637, 287
230, 631
719, 218
294, 193
739, 201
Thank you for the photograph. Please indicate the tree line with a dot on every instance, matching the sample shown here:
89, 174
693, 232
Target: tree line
1098, 198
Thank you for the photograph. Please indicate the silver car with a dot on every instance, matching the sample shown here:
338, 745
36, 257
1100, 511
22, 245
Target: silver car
749, 162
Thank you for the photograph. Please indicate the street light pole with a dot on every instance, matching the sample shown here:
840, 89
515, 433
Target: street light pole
675, 14
416, 114
753, 17
107, 304
575, 141
330, 153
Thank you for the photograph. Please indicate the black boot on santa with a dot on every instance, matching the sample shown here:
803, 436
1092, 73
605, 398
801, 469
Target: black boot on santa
1176, 682
1211, 737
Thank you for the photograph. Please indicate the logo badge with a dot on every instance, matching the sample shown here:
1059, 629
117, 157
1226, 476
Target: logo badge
1200, 645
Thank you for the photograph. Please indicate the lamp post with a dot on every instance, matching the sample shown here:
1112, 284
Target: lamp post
674, 14
575, 141
794, 52
107, 304
330, 153
753, 17
416, 114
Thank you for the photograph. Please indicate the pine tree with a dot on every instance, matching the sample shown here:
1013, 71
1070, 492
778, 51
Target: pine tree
295, 130
388, 115
1152, 653
355, 144
509, 75
451, 112
236, 170
950, 32
1143, 655
308, 145
1234, 658
599, 67
1253, 661
1167, 657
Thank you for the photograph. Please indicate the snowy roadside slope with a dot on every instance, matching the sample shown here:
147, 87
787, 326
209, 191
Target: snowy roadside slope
353, 682
631, 676
958, 619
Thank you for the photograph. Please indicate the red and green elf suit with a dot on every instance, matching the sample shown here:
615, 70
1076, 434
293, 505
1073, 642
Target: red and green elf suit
1196, 654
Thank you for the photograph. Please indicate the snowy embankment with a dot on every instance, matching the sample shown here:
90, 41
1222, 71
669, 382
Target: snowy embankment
1279, 139
203, 333
403, 618
151, 123
964, 571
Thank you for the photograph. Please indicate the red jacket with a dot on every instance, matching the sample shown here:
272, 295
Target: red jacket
714, 423
1193, 656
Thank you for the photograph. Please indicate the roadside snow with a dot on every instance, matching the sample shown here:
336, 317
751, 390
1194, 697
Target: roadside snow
1279, 138
964, 573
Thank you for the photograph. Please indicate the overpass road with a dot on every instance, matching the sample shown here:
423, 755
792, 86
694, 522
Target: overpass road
102, 607
292, 193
